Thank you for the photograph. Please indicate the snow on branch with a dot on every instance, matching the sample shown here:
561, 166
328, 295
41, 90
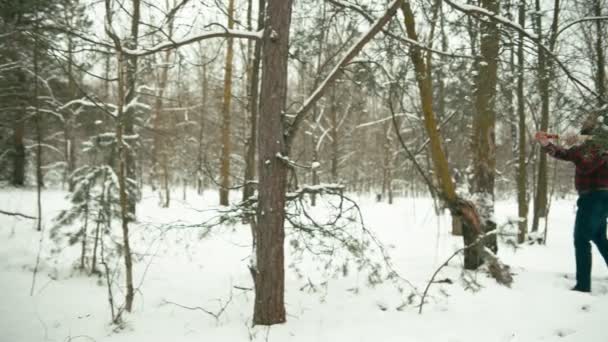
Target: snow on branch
174, 44
352, 52
87, 103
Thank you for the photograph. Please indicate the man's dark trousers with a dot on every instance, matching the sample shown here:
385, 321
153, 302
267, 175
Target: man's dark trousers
590, 225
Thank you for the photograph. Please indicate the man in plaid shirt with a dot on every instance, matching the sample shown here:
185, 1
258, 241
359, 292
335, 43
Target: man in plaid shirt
591, 182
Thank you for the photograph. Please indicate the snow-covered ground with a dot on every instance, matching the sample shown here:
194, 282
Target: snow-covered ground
182, 266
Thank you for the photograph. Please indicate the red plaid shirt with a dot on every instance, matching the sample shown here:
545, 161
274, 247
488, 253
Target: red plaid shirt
591, 165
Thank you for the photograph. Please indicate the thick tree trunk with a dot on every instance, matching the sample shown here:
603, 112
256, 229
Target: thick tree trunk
270, 273
522, 198
226, 114
483, 142
470, 222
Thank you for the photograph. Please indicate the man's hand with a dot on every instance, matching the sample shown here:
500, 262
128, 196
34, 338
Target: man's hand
571, 139
542, 139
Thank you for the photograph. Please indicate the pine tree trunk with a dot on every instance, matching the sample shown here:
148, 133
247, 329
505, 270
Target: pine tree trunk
226, 114
270, 274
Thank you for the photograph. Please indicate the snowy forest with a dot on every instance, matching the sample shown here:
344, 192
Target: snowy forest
310, 170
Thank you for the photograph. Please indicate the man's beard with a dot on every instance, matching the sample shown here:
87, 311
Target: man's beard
586, 131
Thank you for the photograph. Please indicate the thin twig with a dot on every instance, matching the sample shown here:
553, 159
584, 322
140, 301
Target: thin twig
445, 263
215, 315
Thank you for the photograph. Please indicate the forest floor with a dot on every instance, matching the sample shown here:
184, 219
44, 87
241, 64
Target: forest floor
189, 268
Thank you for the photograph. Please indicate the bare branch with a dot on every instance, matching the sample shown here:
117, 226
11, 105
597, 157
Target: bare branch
352, 52
169, 45
215, 315
480, 12
8, 213
445, 263
404, 40
582, 20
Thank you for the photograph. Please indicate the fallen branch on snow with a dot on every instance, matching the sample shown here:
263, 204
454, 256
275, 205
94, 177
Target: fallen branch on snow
8, 213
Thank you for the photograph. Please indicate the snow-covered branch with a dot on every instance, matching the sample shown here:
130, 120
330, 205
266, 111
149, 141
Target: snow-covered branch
87, 103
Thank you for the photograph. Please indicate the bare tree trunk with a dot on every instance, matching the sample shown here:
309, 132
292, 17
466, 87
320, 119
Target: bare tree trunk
201, 132
84, 231
159, 155
483, 142
37, 119
129, 96
19, 149
522, 200
226, 114
100, 219
333, 133
270, 274
470, 221
69, 122
122, 182
248, 189
544, 75
599, 49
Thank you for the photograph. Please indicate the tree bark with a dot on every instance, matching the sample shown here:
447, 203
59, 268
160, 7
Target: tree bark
470, 221
249, 188
159, 155
19, 149
522, 198
483, 142
201, 132
544, 79
226, 114
130, 93
599, 49
269, 305
333, 133
70, 121
121, 120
